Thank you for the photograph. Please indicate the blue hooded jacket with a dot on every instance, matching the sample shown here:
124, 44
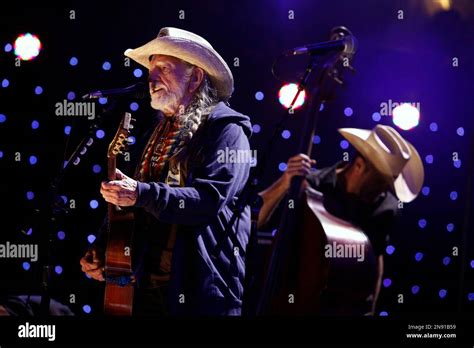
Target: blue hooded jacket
208, 265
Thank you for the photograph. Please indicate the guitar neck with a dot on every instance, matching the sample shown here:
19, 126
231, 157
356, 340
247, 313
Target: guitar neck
111, 167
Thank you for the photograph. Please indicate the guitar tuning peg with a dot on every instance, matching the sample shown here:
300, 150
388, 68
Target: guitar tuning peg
338, 80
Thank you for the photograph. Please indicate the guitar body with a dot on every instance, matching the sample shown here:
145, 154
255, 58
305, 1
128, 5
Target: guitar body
119, 288
318, 278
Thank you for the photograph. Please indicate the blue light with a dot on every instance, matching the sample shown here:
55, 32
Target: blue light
58, 269
390, 249
132, 140
67, 130
316, 139
102, 100
64, 198
344, 144
5, 83
3, 118
38, 90
472, 263
61, 235
457, 163
73, 61
256, 128
134, 106
383, 314
30, 195
418, 257
376, 117
446, 260
422, 223
96, 168
429, 159
35, 124
71, 96
94, 204
348, 112
282, 166
443, 293
286, 134
433, 126
33, 160
460, 131
415, 289
259, 95
99, 133
470, 296
8, 47
387, 282
425, 190
87, 309
137, 72
26, 266
91, 238
321, 108
106, 66
453, 195
450, 227
1, 154
29, 232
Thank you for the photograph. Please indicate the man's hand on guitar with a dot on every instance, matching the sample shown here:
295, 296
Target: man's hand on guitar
122, 192
93, 265
298, 165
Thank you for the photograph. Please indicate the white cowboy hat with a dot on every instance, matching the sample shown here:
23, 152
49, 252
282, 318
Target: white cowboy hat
191, 48
394, 157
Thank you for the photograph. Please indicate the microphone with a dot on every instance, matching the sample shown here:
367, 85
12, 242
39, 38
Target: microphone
138, 90
342, 41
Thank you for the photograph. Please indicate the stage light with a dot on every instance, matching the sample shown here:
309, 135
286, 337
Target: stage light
26, 266
103, 100
87, 309
344, 144
433, 126
446, 260
91, 238
453, 195
73, 61
106, 66
457, 163
5, 83
71, 96
58, 269
383, 314
38, 90
35, 124
134, 106
406, 116
131, 139
287, 94
3, 118
256, 128
259, 95
33, 160
29, 232
415, 289
61, 235
64, 198
443, 293
96, 168
67, 130
387, 282
8, 47
460, 131
418, 257
450, 227
137, 72
1, 154
429, 159
390, 249
376, 116
30, 195
348, 112
99, 134
316, 139
282, 166
472, 263
470, 296
27, 46
425, 190
422, 223
286, 134
93, 204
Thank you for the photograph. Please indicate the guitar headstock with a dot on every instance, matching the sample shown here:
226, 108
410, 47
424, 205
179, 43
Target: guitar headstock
120, 141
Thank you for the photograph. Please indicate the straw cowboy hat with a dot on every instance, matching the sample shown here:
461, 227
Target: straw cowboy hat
191, 48
394, 157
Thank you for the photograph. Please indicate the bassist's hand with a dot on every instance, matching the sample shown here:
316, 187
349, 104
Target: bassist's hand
93, 265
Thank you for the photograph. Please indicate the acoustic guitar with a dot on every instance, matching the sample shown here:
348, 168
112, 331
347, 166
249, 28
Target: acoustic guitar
119, 287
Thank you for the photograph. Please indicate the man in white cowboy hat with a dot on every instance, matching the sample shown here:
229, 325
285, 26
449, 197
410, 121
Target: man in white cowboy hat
182, 191
366, 191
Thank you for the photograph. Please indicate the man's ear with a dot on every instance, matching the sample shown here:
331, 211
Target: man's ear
196, 79
359, 165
